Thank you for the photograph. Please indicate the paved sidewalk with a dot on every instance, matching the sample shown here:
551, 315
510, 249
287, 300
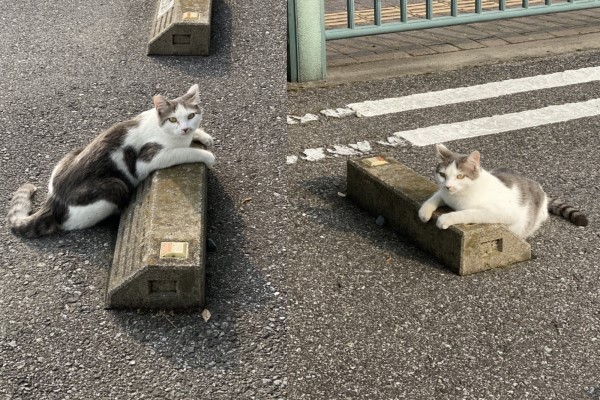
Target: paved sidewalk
405, 53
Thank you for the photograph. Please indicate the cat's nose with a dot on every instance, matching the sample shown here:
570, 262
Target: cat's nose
185, 130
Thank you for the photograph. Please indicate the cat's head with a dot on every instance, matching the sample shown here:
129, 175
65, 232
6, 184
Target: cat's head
181, 116
456, 172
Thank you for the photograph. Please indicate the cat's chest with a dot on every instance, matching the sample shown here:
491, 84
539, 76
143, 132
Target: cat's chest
139, 142
479, 197
462, 201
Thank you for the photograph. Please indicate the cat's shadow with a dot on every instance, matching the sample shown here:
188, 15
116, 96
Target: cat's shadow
218, 62
343, 215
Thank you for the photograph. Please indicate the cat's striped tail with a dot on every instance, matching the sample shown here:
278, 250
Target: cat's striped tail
567, 211
21, 223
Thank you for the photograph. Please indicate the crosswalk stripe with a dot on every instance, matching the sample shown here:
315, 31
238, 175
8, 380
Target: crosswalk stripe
416, 101
499, 123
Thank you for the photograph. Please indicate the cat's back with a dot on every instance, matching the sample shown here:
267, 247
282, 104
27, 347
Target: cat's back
113, 137
530, 191
512, 179
93, 165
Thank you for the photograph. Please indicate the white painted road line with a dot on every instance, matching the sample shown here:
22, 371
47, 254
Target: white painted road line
473, 93
499, 123
293, 119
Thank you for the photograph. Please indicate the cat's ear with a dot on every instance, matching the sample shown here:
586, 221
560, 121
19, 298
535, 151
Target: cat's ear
192, 95
474, 158
442, 152
161, 104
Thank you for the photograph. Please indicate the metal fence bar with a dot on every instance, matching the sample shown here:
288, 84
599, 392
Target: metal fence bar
403, 11
405, 25
478, 6
454, 8
429, 9
292, 43
525, 4
351, 13
501, 5
377, 12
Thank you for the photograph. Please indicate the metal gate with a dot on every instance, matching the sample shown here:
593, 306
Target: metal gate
306, 45
412, 15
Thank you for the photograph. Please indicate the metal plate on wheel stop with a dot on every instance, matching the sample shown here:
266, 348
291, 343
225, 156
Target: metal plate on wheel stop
174, 250
374, 161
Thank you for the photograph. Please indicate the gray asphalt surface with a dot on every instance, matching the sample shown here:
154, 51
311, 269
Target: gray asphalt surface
373, 317
72, 68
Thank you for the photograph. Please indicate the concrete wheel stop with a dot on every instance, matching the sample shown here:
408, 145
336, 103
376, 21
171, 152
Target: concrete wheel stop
160, 252
181, 28
385, 187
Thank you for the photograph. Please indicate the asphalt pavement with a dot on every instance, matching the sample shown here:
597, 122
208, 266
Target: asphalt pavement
72, 68
373, 317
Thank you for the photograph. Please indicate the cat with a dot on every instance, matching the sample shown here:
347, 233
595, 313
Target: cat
500, 196
94, 182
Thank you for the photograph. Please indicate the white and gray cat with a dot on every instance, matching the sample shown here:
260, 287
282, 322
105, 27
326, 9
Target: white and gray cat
91, 183
500, 196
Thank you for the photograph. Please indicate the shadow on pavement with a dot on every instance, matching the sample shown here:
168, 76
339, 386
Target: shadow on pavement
342, 215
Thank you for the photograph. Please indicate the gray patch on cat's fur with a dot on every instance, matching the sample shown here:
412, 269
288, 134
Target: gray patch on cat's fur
130, 159
470, 170
166, 107
82, 177
531, 194
149, 151
43, 222
93, 175
146, 154
466, 168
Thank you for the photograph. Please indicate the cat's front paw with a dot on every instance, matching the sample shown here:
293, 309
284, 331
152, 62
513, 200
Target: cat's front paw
426, 211
204, 138
209, 159
444, 221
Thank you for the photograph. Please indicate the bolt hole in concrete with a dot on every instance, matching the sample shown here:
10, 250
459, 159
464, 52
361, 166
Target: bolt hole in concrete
182, 39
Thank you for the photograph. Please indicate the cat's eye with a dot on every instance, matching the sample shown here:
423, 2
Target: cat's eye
192, 115
173, 119
443, 175
460, 176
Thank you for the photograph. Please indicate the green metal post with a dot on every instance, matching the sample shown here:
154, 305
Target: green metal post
306, 40
350, 11
377, 12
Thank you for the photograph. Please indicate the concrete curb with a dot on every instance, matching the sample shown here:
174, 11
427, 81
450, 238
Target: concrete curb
160, 252
396, 192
